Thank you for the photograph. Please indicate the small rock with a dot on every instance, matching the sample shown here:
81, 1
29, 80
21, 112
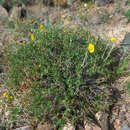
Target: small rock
95, 127
68, 127
98, 115
103, 2
117, 124
116, 110
70, 2
122, 116
128, 117
87, 127
102, 119
115, 19
43, 127
92, 127
126, 41
124, 2
104, 122
25, 128
3, 13
15, 13
123, 109
125, 126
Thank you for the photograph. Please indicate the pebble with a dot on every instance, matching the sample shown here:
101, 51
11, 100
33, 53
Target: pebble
68, 127
92, 127
125, 126
43, 127
24, 128
103, 2
3, 12
70, 2
117, 124
126, 41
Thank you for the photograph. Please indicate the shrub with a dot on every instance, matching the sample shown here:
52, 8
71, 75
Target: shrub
63, 68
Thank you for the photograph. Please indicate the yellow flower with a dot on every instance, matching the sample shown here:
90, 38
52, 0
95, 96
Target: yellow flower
113, 40
5, 95
91, 48
11, 97
32, 37
41, 27
64, 30
39, 66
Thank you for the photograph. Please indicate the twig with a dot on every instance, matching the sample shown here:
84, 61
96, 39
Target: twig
109, 52
85, 58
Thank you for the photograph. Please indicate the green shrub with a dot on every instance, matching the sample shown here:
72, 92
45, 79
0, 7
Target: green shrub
63, 75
